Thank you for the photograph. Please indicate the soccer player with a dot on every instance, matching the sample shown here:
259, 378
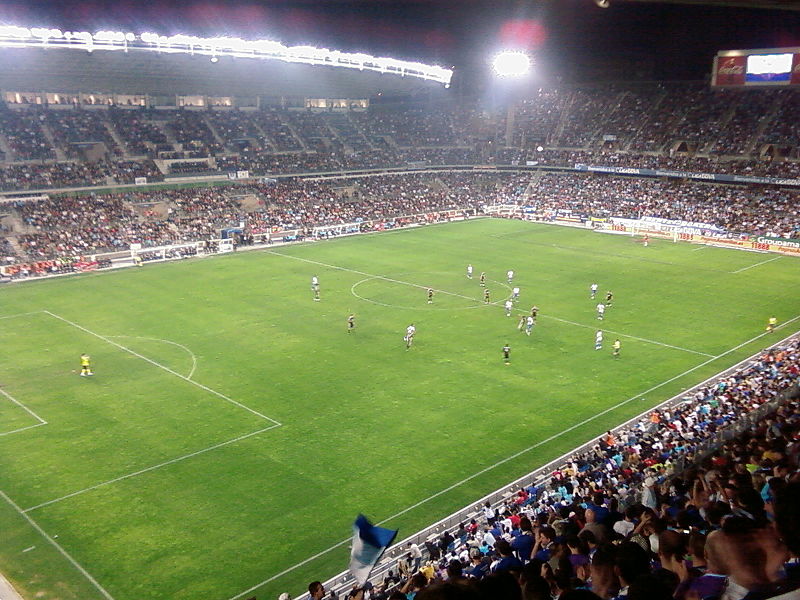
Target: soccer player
430, 295
598, 340
351, 323
771, 324
617, 345
486, 296
409, 338
609, 297
593, 290
509, 305
521, 323
534, 311
515, 293
483, 279
469, 271
529, 323
601, 311
646, 240
510, 275
315, 287
507, 354
86, 365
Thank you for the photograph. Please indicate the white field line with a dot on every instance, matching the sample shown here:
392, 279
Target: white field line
149, 469
507, 459
21, 429
763, 262
163, 367
626, 335
40, 420
58, 547
25, 314
371, 276
23, 407
149, 339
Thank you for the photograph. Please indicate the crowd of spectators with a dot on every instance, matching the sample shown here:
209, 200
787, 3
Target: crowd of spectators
754, 210
23, 133
71, 128
33, 176
96, 223
690, 127
140, 132
650, 512
191, 131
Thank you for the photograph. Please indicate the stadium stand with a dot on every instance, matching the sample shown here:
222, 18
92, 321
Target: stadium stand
673, 505
676, 126
24, 136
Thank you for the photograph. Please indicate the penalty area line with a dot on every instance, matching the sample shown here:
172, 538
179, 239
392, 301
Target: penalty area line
40, 420
763, 262
508, 459
149, 469
163, 367
58, 547
25, 314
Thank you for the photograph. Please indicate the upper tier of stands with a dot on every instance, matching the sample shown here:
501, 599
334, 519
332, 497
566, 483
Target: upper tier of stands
740, 131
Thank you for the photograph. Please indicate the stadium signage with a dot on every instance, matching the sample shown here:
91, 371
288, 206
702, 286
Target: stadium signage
722, 178
783, 242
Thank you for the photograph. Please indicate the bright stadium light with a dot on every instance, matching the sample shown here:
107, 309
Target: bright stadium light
21, 37
511, 64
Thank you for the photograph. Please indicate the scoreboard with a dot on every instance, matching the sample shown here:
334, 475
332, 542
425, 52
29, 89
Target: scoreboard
753, 68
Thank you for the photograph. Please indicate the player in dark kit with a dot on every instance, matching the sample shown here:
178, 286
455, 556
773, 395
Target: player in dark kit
351, 323
609, 298
507, 354
534, 312
486, 296
483, 280
430, 295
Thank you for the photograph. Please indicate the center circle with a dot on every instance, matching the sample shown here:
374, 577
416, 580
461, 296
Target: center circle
413, 296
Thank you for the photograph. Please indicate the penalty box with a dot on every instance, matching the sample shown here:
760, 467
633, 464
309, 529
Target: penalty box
135, 415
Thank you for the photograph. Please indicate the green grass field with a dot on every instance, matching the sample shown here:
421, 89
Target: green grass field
234, 429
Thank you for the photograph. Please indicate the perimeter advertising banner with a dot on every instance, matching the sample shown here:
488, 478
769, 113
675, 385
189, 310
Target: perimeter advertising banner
762, 243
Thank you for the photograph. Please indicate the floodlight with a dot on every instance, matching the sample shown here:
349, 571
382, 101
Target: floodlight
511, 64
21, 37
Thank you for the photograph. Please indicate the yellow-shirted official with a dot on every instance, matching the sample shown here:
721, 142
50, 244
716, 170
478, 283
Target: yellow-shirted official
86, 365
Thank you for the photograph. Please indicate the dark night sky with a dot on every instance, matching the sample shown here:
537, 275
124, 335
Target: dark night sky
664, 41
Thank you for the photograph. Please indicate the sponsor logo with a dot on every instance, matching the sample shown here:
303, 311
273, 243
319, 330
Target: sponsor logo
778, 242
729, 67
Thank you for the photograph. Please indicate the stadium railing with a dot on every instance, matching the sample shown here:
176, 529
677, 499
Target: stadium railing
343, 582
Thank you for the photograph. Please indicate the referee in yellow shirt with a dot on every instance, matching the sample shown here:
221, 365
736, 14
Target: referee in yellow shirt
86, 365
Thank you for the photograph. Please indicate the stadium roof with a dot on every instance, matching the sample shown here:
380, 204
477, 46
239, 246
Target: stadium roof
765, 4
52, 70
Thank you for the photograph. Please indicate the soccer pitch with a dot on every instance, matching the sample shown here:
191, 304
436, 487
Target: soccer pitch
234, 429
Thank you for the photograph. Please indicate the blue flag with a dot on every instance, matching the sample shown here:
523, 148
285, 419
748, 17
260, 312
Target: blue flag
369, 542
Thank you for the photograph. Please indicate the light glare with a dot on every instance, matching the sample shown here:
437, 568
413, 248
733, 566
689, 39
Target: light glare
511, 64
